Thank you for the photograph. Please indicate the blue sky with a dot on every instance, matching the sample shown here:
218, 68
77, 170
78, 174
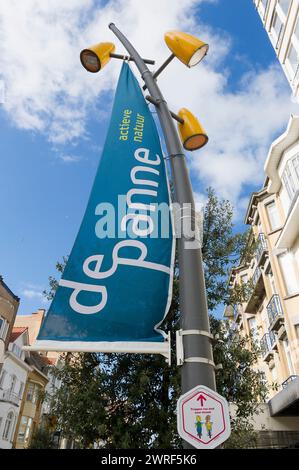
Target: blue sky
55, 115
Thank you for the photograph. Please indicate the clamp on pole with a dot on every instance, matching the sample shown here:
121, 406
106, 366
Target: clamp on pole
157, 102
180, 347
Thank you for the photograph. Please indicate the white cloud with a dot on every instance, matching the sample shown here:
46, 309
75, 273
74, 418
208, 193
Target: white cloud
34, 295
33, 292
48, 91
69, 158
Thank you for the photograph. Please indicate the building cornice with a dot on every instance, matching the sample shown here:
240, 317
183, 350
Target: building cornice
255, 198
15, 297
277, 149
18, 361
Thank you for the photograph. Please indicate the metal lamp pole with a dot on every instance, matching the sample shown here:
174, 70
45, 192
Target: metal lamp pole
198, 366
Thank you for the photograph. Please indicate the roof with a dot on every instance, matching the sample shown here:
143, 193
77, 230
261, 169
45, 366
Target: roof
49, 361
8, 289
254, 199
38, 361
16, 332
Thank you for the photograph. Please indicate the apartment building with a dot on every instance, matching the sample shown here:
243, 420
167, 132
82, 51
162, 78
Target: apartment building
31, 406
271, 310
37, 416
280, 20
9, 304
13, 378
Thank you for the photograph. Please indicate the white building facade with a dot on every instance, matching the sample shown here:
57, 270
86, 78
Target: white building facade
280, 20
12, 384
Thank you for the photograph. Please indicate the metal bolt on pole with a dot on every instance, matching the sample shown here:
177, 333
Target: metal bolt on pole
198, 367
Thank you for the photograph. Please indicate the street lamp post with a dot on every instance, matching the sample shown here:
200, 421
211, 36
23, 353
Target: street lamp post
193, 303
198, 367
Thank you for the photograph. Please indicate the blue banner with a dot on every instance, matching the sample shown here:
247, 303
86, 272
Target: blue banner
116, 286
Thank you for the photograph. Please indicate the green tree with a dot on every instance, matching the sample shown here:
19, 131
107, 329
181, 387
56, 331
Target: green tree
125, 401
42, 439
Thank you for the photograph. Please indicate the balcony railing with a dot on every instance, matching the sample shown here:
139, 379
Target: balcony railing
10, 397
289, 380
255, 292
275, 313
256, 275
261, 248
268, 343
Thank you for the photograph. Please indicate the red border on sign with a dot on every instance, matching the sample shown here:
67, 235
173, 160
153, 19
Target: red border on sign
191, 435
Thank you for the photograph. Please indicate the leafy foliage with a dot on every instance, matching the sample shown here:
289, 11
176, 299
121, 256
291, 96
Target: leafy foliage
42, 439
221, 248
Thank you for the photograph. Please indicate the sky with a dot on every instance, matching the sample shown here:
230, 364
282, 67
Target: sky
54, 115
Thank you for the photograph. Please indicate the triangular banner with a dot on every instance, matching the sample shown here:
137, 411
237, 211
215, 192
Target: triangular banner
116, 287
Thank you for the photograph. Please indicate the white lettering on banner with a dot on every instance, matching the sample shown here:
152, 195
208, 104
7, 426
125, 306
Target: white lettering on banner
97, 274
142, 155
135, 225
145, 182
116, 260
79, 287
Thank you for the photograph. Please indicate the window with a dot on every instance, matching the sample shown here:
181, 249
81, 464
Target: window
244, 279
286, 262
284, 5
24, 429
12, 383
295, 164
32, 392
272, 284
287, 351
293, 60
2, 377
21, 389
273, 216
296, 31
290, 177
263, 6
17, 350
3, 328
277, 25
8, 426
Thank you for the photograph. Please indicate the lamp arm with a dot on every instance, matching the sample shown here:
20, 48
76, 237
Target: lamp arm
161, 68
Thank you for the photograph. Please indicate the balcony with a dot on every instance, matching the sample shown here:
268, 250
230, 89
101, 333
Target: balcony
290, 379
286, 402
261, 249
275, 313
268, 344
257, 291
9, 397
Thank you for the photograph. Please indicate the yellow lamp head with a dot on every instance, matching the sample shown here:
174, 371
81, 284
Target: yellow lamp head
188, 49
96, 57
193, 135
